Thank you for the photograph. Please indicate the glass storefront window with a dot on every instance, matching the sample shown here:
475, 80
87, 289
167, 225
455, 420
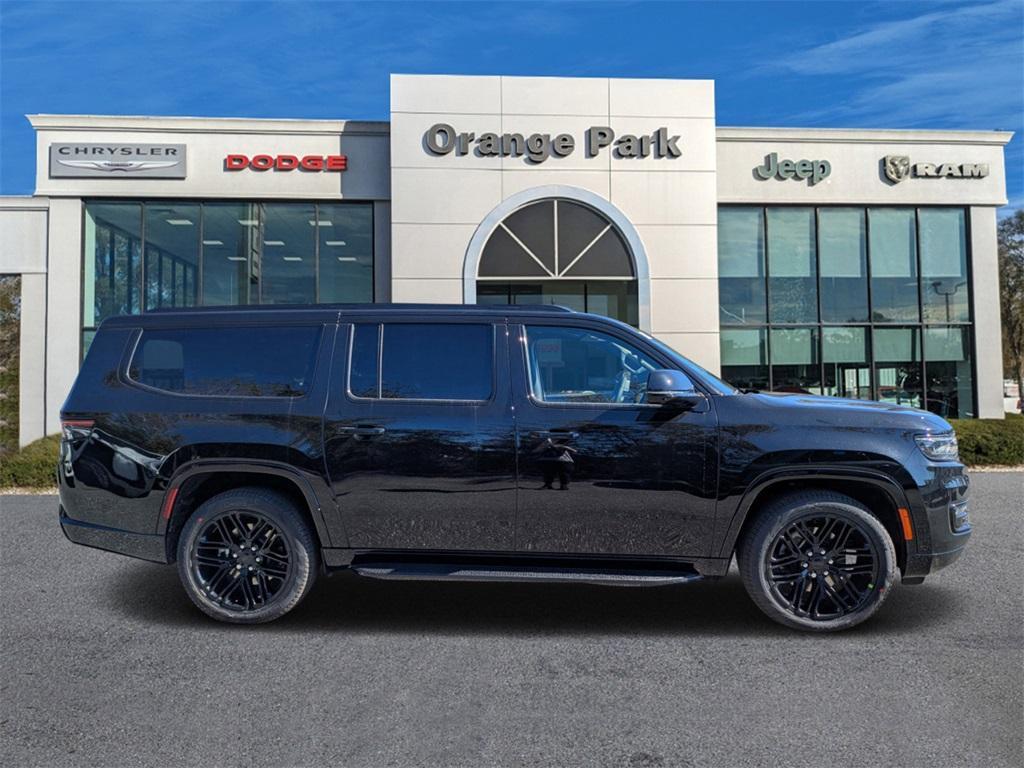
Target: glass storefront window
612, 298
844, 350
949, 375
794, 356
741, 284
842, 251
141, 256
877, 268
893, 250
230, 253
113, 262
745, 357
172, 255
898, 365
792, 276
288, 265
943, 265
345, 249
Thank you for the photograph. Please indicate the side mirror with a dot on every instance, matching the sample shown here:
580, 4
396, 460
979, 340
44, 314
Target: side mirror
673, 389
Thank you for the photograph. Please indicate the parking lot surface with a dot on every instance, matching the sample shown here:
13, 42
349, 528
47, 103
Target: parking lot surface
105, 662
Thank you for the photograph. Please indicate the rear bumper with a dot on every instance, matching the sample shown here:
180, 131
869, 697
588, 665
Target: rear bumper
140, 545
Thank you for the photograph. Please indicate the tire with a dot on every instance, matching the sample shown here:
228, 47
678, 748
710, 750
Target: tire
247, 531
824, 592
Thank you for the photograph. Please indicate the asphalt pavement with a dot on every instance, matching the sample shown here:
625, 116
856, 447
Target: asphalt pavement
105, 662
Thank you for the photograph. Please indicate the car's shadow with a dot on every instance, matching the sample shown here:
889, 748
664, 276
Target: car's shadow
344, 601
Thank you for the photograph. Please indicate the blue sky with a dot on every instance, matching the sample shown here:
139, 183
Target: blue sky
841, 64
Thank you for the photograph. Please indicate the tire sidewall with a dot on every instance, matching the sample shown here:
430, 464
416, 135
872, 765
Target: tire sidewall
299, 573
868, 524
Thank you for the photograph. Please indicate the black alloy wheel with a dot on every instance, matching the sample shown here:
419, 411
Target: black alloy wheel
822, 567
241, 560
817, 560
247, 556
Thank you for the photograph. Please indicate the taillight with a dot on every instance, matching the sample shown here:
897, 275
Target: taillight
71, 428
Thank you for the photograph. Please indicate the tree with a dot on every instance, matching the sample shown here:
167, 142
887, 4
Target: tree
1011, 294
10, 325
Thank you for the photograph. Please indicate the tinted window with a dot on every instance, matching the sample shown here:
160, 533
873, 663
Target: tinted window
243, 361
435, 361
362, 375
577, 365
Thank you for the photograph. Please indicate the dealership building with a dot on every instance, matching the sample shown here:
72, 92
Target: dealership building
857, 263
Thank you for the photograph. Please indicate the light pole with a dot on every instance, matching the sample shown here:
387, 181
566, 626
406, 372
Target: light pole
937, 284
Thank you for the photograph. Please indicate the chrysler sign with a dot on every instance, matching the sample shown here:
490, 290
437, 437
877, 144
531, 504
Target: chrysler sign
152, 161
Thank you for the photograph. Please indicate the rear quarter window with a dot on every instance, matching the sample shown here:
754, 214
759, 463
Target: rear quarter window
244, 361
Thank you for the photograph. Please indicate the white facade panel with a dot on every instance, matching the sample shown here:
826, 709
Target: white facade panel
22, 235
988, 337
63, 306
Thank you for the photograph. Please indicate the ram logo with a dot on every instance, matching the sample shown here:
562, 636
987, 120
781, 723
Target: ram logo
897, 168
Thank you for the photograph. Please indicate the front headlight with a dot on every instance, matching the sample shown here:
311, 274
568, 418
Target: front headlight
939, 447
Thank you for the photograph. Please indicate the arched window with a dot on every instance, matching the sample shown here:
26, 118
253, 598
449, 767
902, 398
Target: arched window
559, 239
559, 251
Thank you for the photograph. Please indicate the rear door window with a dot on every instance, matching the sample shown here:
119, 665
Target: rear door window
243, 361
422, 361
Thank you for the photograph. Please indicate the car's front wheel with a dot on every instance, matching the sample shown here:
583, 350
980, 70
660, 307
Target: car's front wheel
247, 556
817, 560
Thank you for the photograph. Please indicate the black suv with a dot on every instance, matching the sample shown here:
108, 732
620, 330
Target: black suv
259, 448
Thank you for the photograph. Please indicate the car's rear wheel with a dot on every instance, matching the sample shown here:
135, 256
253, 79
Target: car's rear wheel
818, 561
247, 556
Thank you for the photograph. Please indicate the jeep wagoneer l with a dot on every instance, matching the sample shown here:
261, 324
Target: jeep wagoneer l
260, 448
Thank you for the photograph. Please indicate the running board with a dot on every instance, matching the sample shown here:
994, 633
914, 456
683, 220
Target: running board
440, 572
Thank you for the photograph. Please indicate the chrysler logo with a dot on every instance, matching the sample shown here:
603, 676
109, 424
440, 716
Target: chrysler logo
125, 166
118, 161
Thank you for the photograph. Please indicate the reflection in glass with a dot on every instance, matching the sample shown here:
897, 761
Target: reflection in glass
745, 357
948, 372
346, 253
943, 264
792, 288
843, 256
172, 255
113, 269
845, 353
794, 356
288, 266
898, 365
230, 253
577, 365
741, 284
893, 253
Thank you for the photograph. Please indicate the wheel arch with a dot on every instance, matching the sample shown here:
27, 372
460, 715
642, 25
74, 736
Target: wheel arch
198, 481
879, 493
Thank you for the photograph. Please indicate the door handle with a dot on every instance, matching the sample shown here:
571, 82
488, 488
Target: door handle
555, 434
360, 433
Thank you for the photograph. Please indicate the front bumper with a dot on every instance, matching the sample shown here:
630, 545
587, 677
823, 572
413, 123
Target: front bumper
941, 514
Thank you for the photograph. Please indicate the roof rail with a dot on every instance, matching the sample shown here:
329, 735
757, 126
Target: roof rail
513, 308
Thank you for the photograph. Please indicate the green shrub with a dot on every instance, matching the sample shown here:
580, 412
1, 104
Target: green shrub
991, 441
34, 466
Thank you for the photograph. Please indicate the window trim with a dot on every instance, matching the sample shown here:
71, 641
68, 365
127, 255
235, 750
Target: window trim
380, 323
124, 368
